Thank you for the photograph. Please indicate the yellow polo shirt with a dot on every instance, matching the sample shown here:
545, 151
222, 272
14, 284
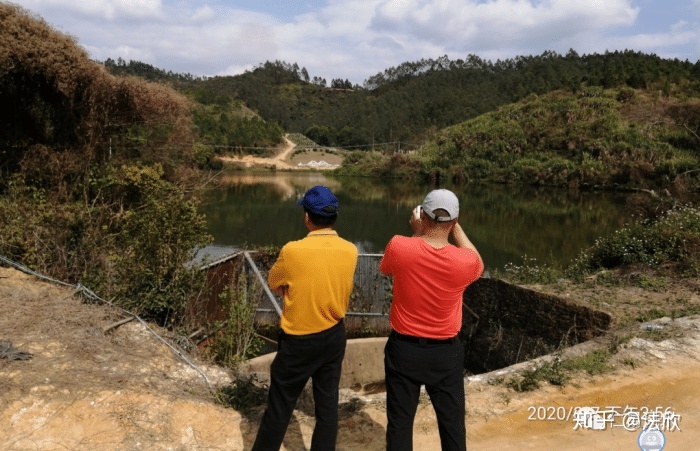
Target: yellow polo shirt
318, 271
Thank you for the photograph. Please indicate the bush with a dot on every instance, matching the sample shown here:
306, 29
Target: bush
243, 394
672, 238
553, 373
531, 272
76, 206
236, 338
156, 231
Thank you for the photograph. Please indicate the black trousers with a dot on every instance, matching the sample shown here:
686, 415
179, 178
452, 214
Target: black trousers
440, 367
300, 357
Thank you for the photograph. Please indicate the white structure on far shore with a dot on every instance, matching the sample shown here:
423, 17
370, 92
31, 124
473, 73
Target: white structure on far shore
318, 164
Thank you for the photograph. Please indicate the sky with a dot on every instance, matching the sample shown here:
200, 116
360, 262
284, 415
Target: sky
355, 39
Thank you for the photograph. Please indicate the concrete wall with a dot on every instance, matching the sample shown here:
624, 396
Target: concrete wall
502, 325
363, 364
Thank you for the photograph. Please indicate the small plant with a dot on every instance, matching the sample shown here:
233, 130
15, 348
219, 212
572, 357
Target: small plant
236, 339
593, 363
505, 398
618, 341
608, 279
630, 362
559, 371
671, 238
529, 381
243, 394
651, 283
354, 405
651, 314
532, 272
551, 372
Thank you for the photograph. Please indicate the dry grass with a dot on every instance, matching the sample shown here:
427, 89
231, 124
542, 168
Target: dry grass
63, 332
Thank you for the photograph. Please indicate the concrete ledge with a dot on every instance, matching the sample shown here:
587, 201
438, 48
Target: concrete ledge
363, 363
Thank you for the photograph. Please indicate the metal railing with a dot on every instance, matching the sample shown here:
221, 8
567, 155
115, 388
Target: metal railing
370, 297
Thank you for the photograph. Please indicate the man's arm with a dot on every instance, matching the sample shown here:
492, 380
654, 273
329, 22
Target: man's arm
462, 241
276, 278
386, 261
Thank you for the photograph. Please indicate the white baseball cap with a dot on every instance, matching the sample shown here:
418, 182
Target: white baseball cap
441, 199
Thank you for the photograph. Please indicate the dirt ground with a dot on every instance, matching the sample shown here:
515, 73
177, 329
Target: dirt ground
285, 160
89, 387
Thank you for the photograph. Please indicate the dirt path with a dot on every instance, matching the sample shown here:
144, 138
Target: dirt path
279, 161
87, 389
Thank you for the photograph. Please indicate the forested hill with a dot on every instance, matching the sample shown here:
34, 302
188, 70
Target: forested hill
595, 137
404, 102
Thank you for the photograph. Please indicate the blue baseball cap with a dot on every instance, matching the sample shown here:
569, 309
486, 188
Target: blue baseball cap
320, 200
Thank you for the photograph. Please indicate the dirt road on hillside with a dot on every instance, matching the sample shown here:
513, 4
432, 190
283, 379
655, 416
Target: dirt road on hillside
280, 161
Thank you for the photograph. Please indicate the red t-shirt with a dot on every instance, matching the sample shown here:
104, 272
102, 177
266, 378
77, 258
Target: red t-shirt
428, 285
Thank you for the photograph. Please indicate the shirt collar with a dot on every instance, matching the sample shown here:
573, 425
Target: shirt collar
323, 232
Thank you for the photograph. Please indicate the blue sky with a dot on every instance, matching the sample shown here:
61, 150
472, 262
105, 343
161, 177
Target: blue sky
355, 39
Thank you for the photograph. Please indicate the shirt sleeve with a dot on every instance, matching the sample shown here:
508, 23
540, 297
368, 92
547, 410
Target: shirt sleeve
385, 265
278, 274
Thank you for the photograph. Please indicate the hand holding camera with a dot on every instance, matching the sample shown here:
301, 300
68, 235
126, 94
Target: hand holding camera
415, 221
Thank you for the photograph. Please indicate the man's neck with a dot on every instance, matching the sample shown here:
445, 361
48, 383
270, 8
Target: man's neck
313, 228
436, 237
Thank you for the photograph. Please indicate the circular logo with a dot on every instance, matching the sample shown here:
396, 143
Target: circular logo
651, 440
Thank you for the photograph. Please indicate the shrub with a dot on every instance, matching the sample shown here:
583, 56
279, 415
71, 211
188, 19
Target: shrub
156, 231
532, 272
236, 338
243, 394
553, 373
672, 238
559, 372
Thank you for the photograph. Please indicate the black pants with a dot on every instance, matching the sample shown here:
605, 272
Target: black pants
440, 367
300, 357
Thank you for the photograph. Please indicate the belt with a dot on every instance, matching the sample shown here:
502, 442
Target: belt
337, 325
421, 340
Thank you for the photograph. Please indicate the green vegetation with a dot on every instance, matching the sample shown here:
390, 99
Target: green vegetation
236, 340
561, 372
672, 239
669, 242
302, 141
145, 71
408, 102
244, 394
587, 139
225, 130
530, 271
95, 180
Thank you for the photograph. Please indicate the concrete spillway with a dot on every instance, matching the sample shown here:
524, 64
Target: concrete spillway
502, 325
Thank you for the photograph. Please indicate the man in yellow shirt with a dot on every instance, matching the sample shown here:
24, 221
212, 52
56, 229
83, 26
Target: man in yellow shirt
315, 277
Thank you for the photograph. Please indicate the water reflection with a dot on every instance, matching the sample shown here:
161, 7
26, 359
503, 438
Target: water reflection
504, 222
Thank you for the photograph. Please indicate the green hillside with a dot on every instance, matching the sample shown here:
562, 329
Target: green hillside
409, 101
593, 137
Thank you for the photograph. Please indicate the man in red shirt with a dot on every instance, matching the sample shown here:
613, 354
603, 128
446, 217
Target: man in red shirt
430, 276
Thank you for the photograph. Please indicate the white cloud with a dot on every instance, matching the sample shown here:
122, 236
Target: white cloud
477, 26
106, 9
682, 35
204, 14
355, 39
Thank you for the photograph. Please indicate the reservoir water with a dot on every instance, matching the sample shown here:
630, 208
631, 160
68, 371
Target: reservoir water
506, 223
